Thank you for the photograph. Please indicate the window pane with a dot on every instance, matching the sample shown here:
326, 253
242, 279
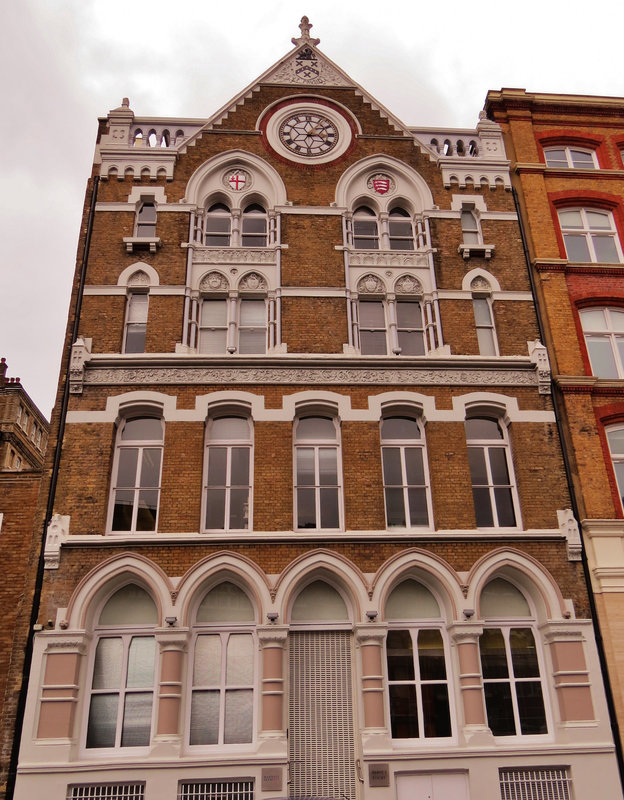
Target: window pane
499, 709
531, 707
148, 508
576, 247
207, 662
135, 337
129, 605
204, 718
329, 508
217, 466
482, 311
373, 343
582, 160
411, 343
419, 514
395, 508
616, 440
483, 508
485, 339
227, 428
498, 465
504, 508
493, 655
239, 470
400, 656
598, 220
150, 467
570, 219
311, 429
431, 656
594, 320
328, 466
523, 653
254, 224
372, 314
601, 357
483, 428
606, 251
617, 319
393, 475
238, 716
476, 461
108, 663
555, 157
102, 720
414, 466
409, 315
305, 466
214, 313
137, 721
126, 469
403, 712
436, 711
215, 509
239, 509
306, 514
122, 511
142, 428
399, 428
141, 658
252, 342
240, 659
212, 341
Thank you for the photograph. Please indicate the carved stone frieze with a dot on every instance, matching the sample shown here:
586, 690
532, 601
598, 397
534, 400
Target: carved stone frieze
80, 354
570, 529
388, 258
539, 356
433, 376
57, 533
233, 255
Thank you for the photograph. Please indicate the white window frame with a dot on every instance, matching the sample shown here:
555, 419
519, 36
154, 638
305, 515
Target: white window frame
470, 225
568, 157
608, 333
403, 445
226, 214
490, 327
590, 234
392, 328
126, 633
363, 216
249, 215
232, 326
228, 445
402, 219
414, 627
317, 445
140, 445
149, 226
136, 314
505, 625
486, 445
617, 461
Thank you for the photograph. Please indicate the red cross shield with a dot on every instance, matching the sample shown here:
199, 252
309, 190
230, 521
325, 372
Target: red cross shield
237, 180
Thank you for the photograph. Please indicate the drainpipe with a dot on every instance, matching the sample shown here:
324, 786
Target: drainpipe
21, 703
557, 400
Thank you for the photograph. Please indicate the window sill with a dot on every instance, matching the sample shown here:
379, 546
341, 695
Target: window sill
150, 243
480, 250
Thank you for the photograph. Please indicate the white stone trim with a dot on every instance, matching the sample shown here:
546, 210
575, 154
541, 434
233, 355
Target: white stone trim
410, 185
458, 201
478, 272
138, 266
320, 211
104, 291
526, 297
443, 213
138, 193
176, 208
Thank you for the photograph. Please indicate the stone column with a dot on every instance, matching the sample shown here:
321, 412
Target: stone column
465, 637
370, 639
570, 672
173, 645
60, 690
272, 643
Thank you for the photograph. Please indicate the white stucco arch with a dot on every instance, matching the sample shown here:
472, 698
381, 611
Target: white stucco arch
410, 185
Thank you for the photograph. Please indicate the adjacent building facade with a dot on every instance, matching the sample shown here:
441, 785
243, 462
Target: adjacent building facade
312, 534
568, 169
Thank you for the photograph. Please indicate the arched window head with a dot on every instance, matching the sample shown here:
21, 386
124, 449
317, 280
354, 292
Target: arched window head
400, 229
365, 229
491, 473
137, 465
121, 706
318, 493
405, 473
217, 225
226, 602
590, 235
411, 600
319, 601
603, 329
227, 488
254, 226
510, 663
146, 219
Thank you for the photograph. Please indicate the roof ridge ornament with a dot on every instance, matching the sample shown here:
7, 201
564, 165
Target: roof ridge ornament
305, 38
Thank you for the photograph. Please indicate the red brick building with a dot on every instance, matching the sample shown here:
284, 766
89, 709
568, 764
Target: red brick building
312, 532
566, 153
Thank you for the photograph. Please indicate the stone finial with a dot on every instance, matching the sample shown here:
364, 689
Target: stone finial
570, 529
539, 356
57, 533
305, 38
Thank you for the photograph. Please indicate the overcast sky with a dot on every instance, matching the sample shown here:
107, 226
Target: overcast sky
63, 63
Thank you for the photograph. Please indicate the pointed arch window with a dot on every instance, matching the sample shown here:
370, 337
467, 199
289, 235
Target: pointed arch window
123, 682
510, 663
254, 233
318, 488
365, 229
223, 669
228, 473
417, 663
405, 473
217, 226
137, 468
493, 489
400, 229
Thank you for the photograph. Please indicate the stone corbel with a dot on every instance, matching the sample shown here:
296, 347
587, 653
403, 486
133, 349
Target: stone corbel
539, 356
57, 533
80, 354
570, 529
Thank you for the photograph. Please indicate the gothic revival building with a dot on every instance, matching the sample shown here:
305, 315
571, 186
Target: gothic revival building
312, 534
568, 167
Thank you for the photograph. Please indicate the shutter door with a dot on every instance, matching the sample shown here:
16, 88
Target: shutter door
322, 760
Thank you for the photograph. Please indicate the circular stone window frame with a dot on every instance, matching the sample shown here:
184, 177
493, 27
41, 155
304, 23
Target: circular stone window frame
277, 118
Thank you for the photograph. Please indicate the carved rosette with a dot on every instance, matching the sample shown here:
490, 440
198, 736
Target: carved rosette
214, 282
252, 282
408, 285
371, 284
